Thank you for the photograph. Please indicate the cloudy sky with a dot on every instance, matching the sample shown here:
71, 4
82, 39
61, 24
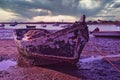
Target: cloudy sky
58, 10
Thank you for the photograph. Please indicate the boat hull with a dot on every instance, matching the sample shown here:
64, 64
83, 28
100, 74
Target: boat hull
44, 47
26, 59
106, 34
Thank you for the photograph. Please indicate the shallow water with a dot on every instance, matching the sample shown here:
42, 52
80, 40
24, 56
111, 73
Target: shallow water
5, 64
94, 58
7, 32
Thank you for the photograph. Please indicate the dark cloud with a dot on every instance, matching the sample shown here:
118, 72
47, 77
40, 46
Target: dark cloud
22, 8
117, 5
57, 7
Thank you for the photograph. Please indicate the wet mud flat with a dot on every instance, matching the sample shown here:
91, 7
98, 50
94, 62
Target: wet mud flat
98, 70
10, 71
91, 66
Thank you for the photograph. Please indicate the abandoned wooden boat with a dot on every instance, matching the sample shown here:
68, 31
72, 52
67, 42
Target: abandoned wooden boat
44, 47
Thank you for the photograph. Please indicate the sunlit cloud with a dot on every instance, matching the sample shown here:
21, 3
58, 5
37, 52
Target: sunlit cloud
89, 4
41, 11
6, 15
29, 0
54, 18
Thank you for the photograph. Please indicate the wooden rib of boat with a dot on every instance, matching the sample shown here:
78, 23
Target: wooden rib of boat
44, 47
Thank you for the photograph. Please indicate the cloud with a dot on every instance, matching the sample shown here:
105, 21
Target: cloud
30, 9
116, 4
54, 18
110, 11
5, 15
21, 7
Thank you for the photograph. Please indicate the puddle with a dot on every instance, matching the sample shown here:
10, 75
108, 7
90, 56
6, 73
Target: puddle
5, 64
93, 58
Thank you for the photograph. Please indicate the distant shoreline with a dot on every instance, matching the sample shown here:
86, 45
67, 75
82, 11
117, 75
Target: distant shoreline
88, 23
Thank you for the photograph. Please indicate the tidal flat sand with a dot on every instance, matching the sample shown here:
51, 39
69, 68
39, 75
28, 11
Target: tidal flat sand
91, 66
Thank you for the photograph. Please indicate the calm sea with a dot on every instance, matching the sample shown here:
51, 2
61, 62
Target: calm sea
7, 33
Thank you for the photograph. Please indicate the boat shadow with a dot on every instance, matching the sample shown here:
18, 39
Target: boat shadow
73, 70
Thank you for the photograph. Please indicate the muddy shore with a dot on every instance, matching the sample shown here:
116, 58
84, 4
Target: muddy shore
91, 66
